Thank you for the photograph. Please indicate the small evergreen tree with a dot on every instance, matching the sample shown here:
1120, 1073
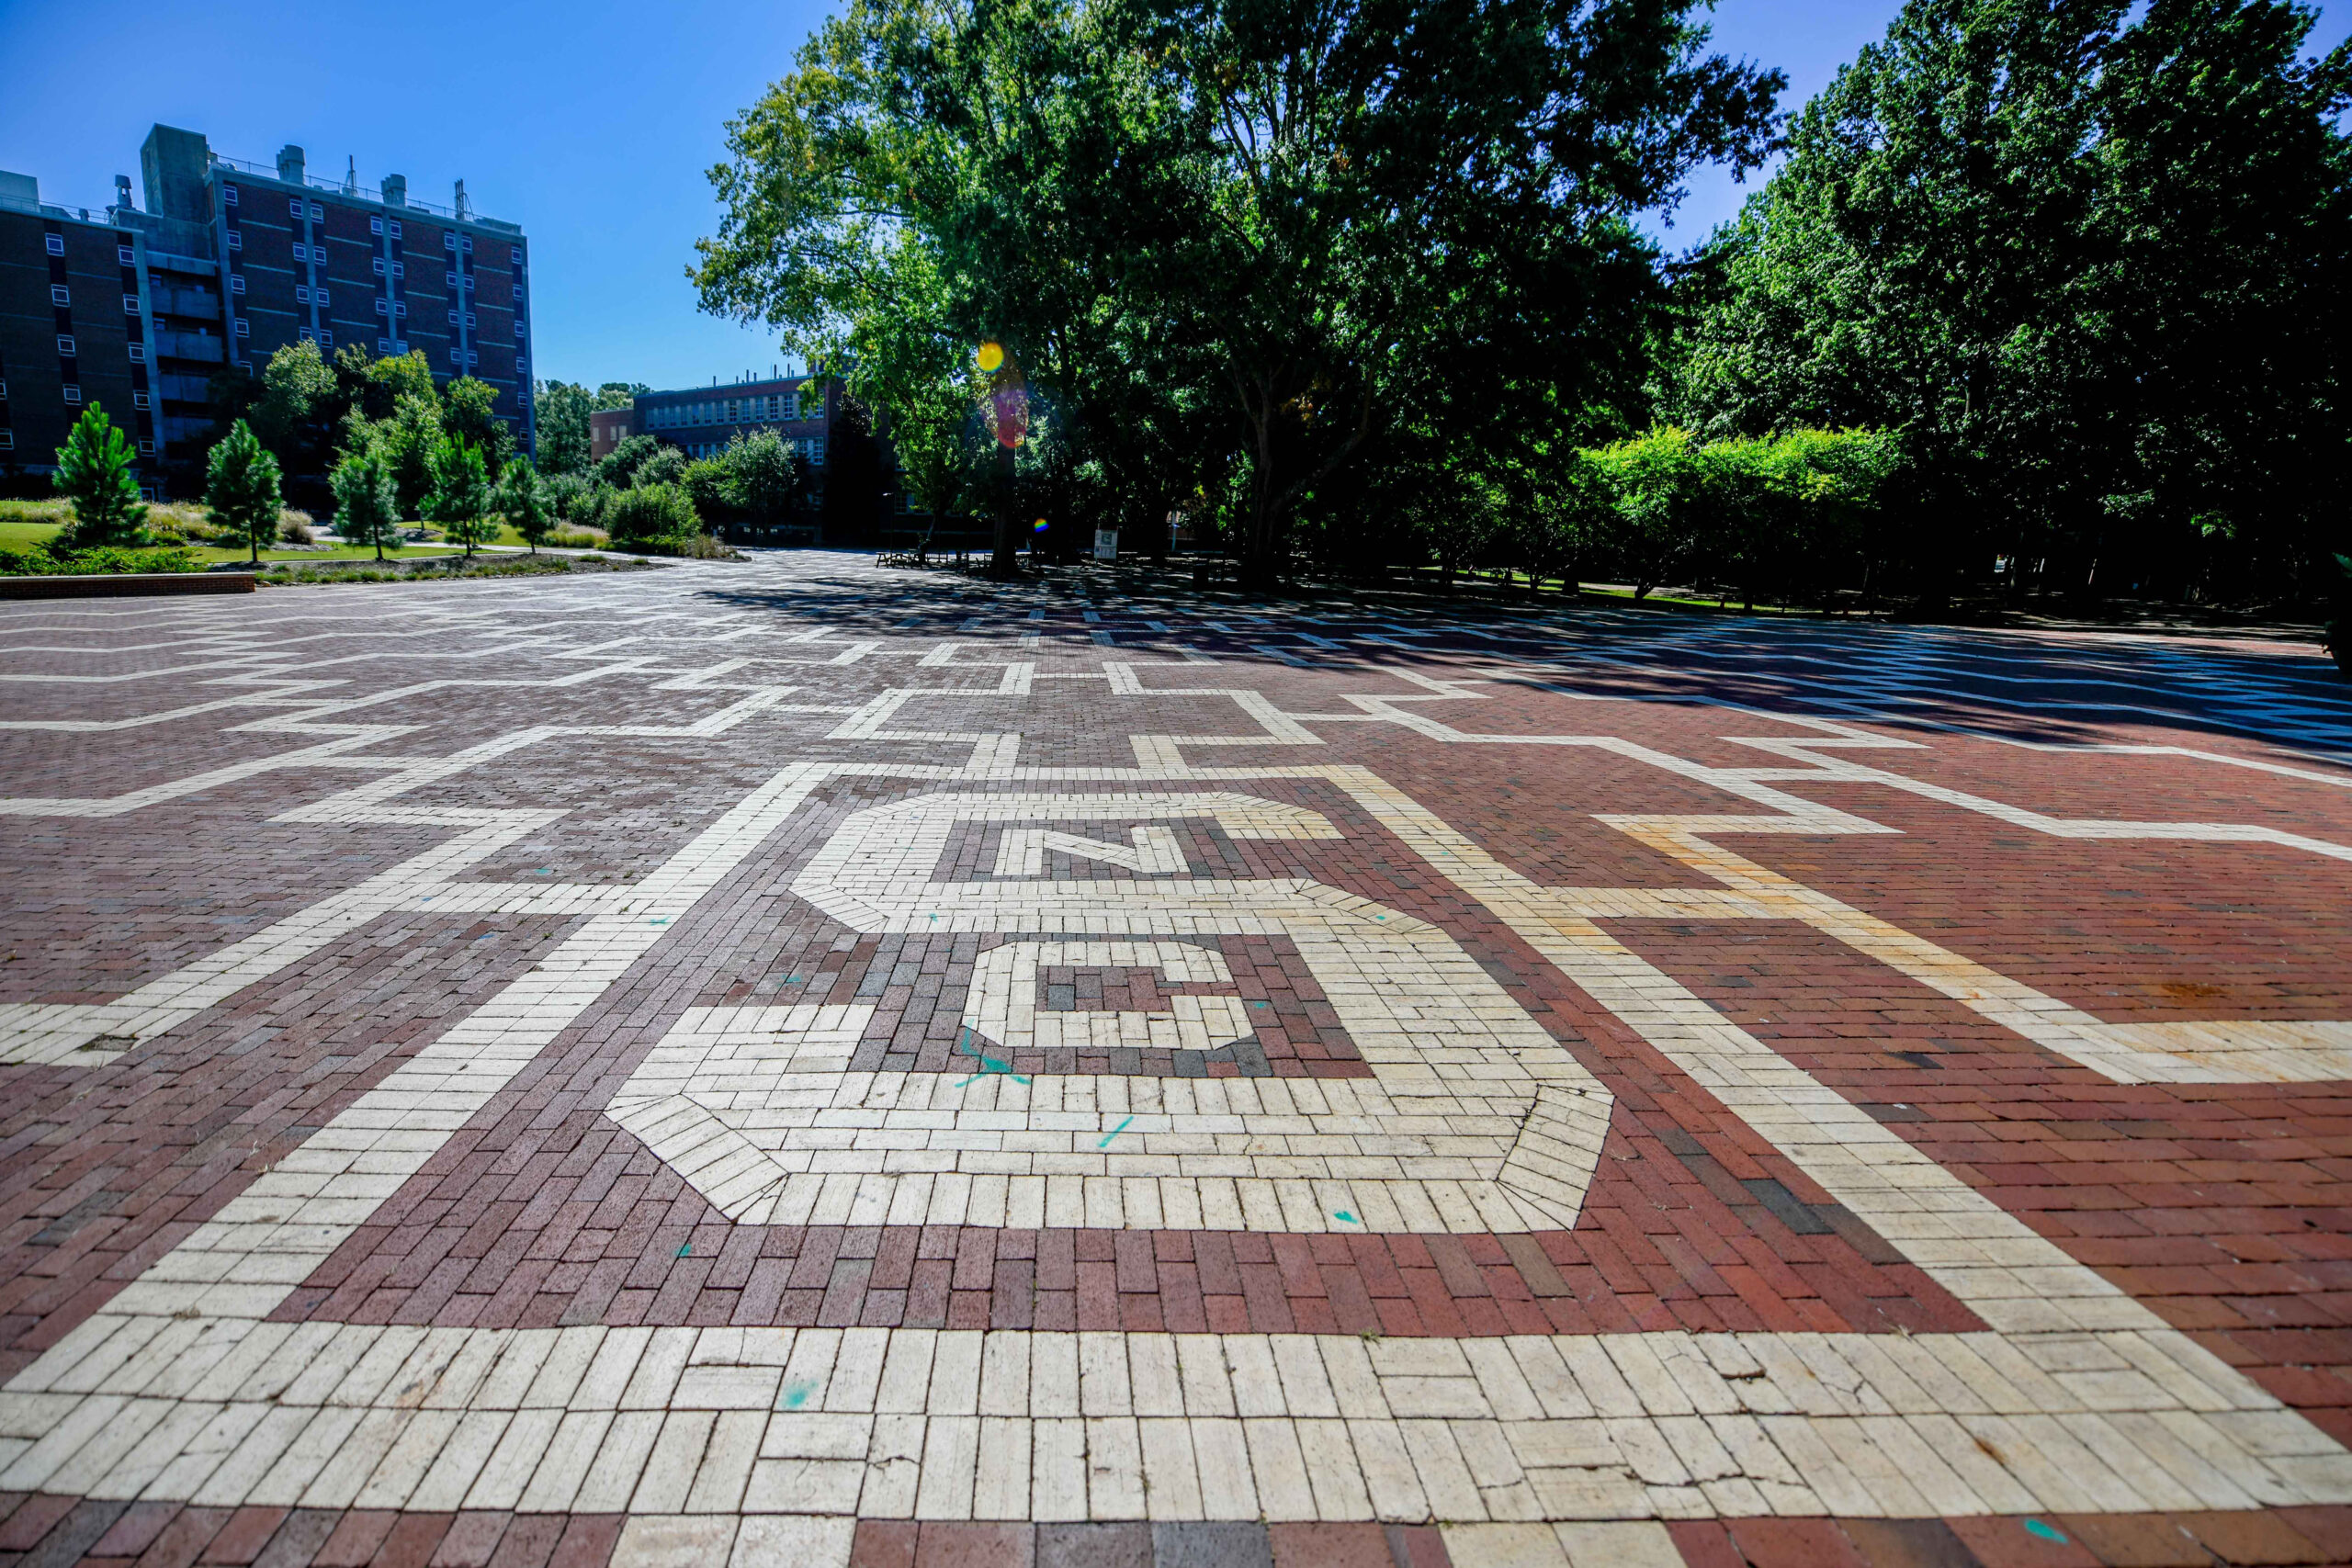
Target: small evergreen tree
94, 473
461, 498
367, 502
523, 502
241, 488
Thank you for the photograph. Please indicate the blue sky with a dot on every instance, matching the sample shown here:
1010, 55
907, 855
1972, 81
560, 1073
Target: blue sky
589, 122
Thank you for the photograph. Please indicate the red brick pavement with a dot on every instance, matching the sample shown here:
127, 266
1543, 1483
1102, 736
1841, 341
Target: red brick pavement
2220, 1206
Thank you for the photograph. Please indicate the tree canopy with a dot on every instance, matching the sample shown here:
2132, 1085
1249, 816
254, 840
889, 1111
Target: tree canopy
2089, 259
1217, 246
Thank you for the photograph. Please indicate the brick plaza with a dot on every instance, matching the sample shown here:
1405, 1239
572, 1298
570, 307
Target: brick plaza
791, 1062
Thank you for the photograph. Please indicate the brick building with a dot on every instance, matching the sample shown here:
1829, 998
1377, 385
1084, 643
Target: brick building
701, 421
227, 263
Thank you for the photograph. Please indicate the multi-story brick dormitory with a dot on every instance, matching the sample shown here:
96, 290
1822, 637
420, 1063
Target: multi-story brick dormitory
139, 309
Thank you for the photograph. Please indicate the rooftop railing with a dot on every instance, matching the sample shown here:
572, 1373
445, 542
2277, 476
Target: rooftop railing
363, 193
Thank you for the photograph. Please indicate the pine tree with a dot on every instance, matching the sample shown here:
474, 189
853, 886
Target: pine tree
367, 502
523, 502
241, 488
94, 473
461, 498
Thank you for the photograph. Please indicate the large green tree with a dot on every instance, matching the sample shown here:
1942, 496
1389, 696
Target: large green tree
521, 498
241, 488
1216, 239
469, 412
461, 498
562, 411
93, 472
2090, 259
367, 508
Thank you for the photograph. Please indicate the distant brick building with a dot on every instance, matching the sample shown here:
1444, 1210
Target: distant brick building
701, 421
607, 428
228, 262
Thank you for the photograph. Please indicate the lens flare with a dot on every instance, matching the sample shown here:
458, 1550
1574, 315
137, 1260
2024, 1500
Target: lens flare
992, 356
1038, 526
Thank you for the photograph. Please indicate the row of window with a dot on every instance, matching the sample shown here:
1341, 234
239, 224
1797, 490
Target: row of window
308, 295
721, 410
74, 396
62, 298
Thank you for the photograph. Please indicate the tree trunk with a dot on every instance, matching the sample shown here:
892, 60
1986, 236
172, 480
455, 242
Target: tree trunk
1003, 565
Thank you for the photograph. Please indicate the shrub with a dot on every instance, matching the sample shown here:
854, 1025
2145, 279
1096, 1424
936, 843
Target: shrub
710, 483
647, 512
567, 493
294, 529
616, 469
40, 561
662, 466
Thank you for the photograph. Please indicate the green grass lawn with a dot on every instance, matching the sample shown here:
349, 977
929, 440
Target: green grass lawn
16, 535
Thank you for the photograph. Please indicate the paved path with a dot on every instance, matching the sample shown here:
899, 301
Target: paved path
815, 1065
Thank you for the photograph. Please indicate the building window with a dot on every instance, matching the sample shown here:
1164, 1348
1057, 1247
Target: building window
466, 244
302, 294
139, 353
302, 332
140, 401
375, 225
383, 346
125, 255
72, 392
236, 241
326, 338
244, 327
399, 270
7, 440
449, 241
244, 365
450, 279
452, 317
59, 295
236, 283
457, 356
56, 244
518, 332
400, 306
318, 213
318, 297
469, 321
131, 304
396, 228
294, 207
381, 308
229, 196
146, 449
65, 349
523, 369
